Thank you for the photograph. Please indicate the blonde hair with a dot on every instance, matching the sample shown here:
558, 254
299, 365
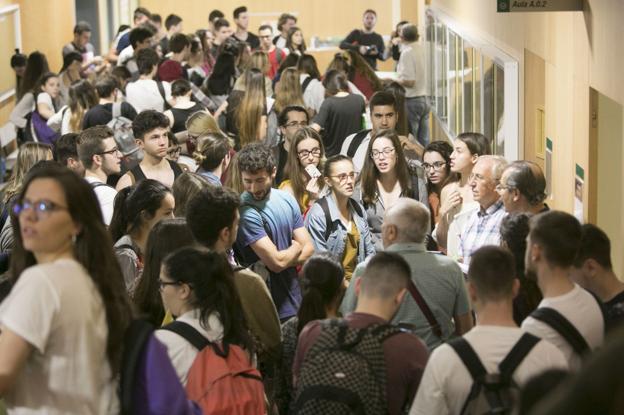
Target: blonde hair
201, 123
288, 91
249, 112
29, 154
234, 180
260, 60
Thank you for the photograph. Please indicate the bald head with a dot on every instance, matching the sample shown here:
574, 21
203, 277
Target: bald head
407, 221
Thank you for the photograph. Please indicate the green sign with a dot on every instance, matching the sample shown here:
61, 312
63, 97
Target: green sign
549, 144
506, 6
580, 172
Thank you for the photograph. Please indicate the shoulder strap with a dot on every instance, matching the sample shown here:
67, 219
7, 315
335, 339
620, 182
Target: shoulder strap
177, 170
561, 325
306, 82
137, 173
356, 206
99, 184
422, 304
127, 246
265, 224
328, 222
189, 333
278, 55
117, 109
469, 357
516, 355
355, 143
161, 90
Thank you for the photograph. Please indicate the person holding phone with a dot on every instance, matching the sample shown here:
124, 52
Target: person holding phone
302, 172
337, 223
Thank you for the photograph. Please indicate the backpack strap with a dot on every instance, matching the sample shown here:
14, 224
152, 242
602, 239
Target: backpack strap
516, 355
161, 90
278, 55
329, 225
137, 173
563, 327
136, 336
469, 357
355, 143
305, 83
94, 185
116, 109
422, 304
189, 333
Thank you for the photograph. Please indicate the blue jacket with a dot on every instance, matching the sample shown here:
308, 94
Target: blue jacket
335, 243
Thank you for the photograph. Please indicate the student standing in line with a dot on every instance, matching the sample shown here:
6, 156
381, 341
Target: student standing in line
241, 18
311, 85
295, 42
276, 55
183, 107
284, 23
437, 166
337, 222
146, 93
62, 325
366, 42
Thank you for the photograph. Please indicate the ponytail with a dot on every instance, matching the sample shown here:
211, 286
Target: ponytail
119, 222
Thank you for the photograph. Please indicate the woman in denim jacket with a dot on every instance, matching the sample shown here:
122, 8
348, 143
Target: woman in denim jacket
387, 176
337, 222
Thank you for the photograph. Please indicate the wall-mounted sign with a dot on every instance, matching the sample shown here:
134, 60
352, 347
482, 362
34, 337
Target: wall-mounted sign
506, 6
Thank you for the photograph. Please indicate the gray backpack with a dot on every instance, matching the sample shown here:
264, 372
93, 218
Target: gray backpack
122, 130
344, 372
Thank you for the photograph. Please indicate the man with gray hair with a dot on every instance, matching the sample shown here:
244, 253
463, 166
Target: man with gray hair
442, 310
483, 226
522, 188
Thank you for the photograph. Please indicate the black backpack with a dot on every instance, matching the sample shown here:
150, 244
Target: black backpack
563, 327
344, 371
355, 143
329, 225
493, 393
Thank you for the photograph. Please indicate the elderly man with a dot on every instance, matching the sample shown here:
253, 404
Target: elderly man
522, 188
435, 278
483, 226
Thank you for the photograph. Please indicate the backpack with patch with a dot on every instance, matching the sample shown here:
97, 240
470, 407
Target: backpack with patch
221, 379
344, 371
331, 226
124, 138
493, 393
148, 382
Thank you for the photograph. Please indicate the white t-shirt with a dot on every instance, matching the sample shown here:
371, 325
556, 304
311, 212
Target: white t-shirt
106, 196
45, 98
314, 94
412, 67
143, 95
58, 310
181, 352
125, 55
59, 122
446, 383
581, 309
360, 154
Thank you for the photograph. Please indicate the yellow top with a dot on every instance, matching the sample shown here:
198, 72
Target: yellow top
168, 319
349, 258
305, 198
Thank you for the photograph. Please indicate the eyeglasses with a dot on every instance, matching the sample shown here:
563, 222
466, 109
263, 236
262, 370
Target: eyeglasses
342, 178
375, 154
162, 284
111, 151
316, 152
296, 124
437, 166
42, 208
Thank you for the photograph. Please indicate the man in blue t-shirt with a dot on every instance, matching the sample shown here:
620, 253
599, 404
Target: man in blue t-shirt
271, 229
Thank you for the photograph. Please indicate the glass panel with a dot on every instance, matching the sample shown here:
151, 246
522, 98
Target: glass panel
440, 72
452, 82
476, 76
468, 87
488, 98
499, 99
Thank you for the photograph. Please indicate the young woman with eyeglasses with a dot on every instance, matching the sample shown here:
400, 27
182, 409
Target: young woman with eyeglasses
62, 325
337, 223
303, 168
437, 166
387, 176
456, 201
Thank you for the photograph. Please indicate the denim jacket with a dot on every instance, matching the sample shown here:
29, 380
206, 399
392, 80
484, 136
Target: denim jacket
335, 243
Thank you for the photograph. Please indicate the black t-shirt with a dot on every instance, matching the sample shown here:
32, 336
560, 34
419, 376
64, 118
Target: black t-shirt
102, 114
339, 117
358, 38
181, 115
614, 311
252, 40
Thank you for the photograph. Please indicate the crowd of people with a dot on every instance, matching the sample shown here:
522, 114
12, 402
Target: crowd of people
202, 223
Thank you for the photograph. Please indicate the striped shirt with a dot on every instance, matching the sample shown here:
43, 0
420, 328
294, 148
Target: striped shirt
482, 228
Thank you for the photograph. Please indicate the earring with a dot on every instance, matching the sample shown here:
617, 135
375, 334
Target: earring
73, 238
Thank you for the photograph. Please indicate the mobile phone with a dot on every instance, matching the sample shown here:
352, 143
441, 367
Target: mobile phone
312, 171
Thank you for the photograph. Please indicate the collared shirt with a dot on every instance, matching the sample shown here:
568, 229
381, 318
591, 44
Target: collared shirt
211, 177
482, 228
412, 67
440, 282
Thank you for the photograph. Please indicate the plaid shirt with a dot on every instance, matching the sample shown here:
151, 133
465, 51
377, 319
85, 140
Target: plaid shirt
482, 228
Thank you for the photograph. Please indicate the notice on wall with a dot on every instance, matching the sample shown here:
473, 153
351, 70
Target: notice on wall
548, 167
579, 183
506, 6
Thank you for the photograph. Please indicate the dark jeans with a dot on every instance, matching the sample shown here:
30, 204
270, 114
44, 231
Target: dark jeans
418, 118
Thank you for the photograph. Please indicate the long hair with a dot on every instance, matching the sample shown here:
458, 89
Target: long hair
36, 66
29, 154
307, 64
184, 189
294, 170
211, 278
133, 203
82, 97
92, 249
220, 81
360, 66
321, 284
370, 174
289, 43
444, 149
249, 112
259, 60
288, 90
234, 180
165, 237
201, 123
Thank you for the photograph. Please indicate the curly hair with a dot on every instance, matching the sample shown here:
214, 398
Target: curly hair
255, 157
